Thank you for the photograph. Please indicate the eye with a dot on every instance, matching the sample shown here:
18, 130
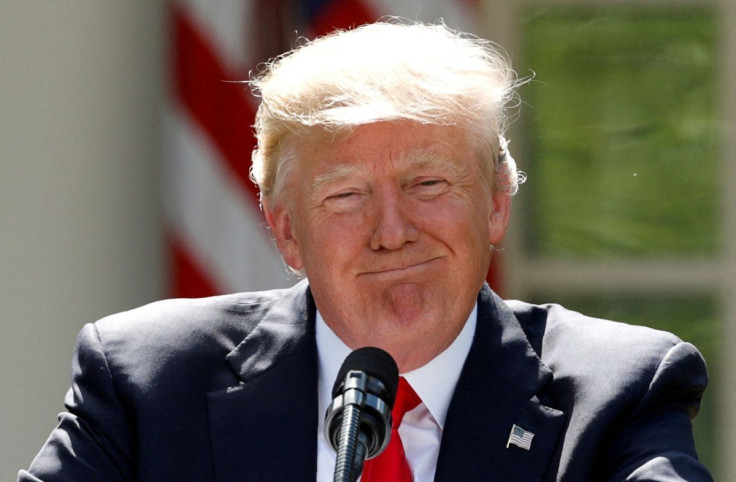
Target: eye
344, 201
342, 195
428, 188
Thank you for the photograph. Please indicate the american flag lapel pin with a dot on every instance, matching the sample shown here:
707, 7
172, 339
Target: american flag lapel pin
520, 437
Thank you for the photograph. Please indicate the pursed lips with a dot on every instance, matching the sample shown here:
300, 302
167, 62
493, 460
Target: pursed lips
399, 268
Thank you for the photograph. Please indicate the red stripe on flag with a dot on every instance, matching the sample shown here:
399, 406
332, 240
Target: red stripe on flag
212, 97
342, 14
188, 279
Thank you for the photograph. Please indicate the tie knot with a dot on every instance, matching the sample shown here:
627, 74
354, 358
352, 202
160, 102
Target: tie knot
406, 400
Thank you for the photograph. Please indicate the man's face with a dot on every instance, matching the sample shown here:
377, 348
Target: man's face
393, 227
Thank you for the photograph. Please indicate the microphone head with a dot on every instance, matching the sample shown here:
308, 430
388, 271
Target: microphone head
374, 362
358, 421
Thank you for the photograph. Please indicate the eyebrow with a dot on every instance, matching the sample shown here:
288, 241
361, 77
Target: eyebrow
429, 158
336, 174
412, 159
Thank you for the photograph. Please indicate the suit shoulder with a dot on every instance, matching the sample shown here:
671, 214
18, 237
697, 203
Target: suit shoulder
186, 317
178, 342
597, 354
603, 356
559, 325
182, 329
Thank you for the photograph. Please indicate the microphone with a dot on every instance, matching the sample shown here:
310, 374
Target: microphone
358, 421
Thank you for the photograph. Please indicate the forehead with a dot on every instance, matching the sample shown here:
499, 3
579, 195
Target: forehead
391, 146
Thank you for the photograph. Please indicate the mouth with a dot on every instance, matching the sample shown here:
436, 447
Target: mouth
401, 269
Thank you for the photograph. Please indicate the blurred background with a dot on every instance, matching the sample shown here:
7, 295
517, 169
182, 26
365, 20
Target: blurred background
125, 143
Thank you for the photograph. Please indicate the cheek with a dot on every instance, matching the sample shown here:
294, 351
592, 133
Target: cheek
465, 231
333, 241
463, 219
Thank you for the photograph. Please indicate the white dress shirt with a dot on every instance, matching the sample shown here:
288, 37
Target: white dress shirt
421, 429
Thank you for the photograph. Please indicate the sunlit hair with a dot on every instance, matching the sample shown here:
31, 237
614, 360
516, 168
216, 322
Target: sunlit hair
387, 71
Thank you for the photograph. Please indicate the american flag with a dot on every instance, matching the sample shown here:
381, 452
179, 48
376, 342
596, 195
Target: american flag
520, 437
217, 237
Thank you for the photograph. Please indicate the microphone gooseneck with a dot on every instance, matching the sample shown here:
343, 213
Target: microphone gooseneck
358, 421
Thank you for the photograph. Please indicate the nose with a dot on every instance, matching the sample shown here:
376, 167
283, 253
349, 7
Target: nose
392, 227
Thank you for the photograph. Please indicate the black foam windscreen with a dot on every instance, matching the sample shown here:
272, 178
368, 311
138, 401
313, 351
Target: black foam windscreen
374, 362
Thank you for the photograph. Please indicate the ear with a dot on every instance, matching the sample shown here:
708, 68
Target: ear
279, 220
499, 219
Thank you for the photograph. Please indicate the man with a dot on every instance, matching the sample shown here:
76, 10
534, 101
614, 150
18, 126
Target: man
386, 181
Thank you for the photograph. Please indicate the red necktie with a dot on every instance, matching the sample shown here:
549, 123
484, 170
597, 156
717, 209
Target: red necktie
391, 465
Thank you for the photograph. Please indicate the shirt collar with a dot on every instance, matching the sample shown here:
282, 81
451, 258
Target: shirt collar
436, 396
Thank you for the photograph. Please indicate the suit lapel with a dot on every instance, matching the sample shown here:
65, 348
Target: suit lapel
500, 386
259, 430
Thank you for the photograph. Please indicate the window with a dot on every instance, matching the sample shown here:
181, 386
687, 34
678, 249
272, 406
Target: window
623, 216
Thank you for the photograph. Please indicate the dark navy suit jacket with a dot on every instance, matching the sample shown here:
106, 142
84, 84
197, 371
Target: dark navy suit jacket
225, 389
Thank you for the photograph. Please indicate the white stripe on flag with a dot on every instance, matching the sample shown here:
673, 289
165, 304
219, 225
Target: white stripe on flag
209, 209
223, 23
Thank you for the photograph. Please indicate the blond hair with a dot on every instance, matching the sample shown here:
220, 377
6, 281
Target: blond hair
386, 71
